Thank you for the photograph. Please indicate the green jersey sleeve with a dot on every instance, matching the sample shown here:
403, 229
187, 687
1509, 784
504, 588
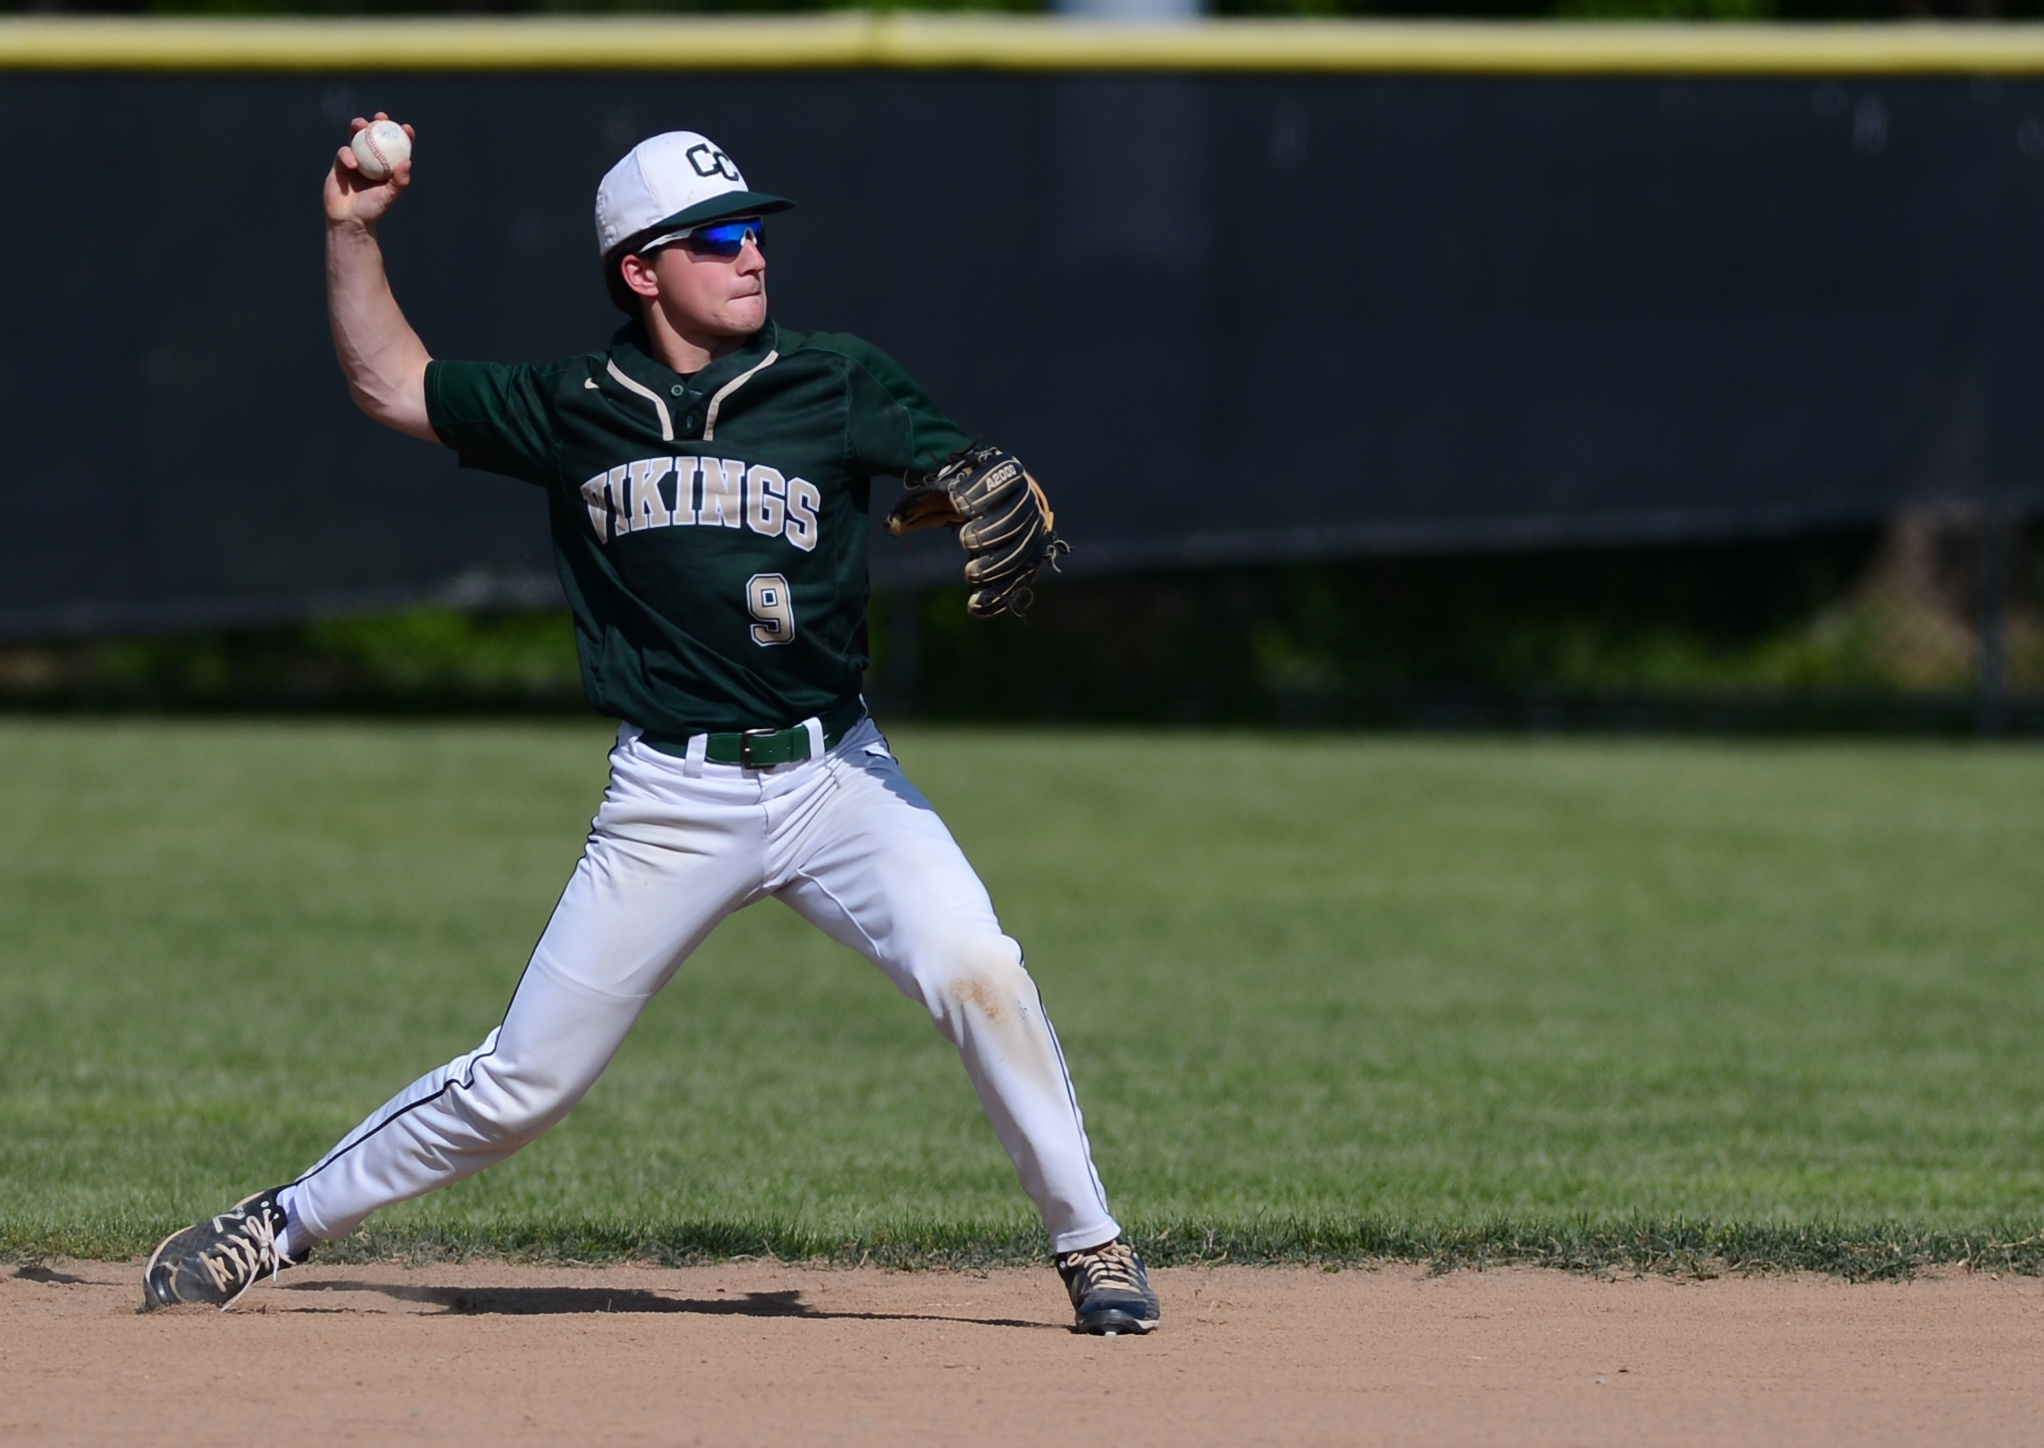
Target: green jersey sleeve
895, 429
498, 418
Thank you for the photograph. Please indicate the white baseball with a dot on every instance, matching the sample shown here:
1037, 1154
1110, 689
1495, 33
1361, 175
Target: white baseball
379, 147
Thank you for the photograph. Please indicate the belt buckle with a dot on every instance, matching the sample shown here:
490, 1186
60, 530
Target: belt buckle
745, 738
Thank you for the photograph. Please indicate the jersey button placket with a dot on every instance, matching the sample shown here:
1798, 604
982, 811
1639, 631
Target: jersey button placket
692, 423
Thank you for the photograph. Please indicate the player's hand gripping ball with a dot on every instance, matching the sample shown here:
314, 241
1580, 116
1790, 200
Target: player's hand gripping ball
379, 147
1004, 523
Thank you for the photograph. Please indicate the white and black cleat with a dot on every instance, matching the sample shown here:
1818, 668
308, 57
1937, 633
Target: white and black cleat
212, 1263
1110, 1290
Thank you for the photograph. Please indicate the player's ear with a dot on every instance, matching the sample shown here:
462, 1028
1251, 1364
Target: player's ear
621, 296
637, 273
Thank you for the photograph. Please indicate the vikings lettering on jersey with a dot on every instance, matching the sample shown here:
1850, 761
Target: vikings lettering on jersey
685, 492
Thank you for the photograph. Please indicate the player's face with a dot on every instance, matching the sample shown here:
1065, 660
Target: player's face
704, 294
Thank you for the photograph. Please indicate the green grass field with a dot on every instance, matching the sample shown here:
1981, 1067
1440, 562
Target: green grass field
1584, 1001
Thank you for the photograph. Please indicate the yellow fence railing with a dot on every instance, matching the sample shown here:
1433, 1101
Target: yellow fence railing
917, 41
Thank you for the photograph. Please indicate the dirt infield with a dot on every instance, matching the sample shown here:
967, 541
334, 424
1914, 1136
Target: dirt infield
756, 1353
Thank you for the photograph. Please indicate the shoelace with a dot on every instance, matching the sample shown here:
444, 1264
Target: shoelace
243, 1253
1111, 1266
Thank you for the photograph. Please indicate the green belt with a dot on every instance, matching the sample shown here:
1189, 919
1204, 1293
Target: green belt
764, 748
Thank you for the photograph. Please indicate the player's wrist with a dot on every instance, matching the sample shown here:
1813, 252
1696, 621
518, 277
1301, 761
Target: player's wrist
356, 229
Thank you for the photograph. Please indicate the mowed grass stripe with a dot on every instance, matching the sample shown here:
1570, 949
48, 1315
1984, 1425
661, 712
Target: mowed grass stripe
1325, 998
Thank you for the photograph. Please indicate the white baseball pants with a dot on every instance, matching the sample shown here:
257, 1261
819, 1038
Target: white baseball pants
845, 840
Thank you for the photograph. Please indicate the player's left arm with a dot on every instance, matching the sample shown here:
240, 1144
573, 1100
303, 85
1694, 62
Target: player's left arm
896, 429
1004, 521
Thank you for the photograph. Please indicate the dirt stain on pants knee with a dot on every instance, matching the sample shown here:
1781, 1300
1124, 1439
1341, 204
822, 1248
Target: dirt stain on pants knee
996, 987
975, 991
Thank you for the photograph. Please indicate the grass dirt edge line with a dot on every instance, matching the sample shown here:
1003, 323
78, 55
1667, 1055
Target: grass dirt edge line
1857, 1252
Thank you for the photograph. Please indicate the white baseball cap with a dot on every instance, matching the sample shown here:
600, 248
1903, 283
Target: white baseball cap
673, 180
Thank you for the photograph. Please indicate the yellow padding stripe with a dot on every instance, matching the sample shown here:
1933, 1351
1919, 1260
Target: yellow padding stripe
847, 39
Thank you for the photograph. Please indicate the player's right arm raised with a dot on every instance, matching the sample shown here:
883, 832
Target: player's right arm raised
380, 355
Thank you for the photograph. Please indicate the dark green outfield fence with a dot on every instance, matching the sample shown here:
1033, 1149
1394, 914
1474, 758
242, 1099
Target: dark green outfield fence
1238, 293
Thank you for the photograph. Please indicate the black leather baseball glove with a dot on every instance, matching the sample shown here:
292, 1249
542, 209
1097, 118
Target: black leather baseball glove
1003, 520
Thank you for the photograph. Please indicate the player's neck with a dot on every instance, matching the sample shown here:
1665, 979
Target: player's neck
685, 352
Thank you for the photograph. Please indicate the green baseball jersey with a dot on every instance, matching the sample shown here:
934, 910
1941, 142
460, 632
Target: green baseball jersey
710, 529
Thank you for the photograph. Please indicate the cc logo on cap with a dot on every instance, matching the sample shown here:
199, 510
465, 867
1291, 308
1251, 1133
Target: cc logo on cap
709, 161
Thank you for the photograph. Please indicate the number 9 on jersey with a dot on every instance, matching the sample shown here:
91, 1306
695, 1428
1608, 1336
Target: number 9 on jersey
773, 612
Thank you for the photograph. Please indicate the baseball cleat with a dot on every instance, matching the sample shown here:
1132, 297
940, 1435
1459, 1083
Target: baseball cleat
1110, 1290
212, 1263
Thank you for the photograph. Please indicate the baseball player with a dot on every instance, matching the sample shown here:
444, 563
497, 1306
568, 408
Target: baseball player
707, 480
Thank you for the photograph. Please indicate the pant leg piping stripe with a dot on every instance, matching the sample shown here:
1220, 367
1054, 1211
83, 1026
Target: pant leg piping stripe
1071, 1098
466, 1081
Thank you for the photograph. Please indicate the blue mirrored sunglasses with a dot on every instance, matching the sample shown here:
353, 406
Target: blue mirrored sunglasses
724, 238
